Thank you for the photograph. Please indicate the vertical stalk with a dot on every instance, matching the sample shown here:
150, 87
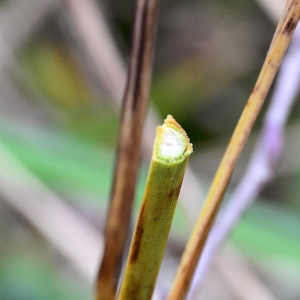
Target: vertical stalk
194, 248
170, 156
129, 145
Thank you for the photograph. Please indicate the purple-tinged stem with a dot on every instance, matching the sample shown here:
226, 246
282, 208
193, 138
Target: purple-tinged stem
264, 161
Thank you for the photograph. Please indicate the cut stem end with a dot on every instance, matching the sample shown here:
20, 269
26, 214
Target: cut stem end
172, 144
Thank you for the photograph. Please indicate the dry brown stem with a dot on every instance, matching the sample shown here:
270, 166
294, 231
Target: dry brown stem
281, 40
129, 146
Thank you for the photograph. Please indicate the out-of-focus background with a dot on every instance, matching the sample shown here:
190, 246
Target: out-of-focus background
62, 72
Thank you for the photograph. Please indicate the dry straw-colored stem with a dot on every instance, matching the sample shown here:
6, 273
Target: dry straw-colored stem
170, 156
129, 146
196, 242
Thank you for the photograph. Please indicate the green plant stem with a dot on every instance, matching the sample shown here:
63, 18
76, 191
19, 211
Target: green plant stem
170, 156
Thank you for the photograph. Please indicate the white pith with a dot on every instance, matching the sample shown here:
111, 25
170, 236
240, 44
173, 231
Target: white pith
172, 144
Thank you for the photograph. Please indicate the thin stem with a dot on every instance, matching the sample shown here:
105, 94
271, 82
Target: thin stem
129, 146
99, 48
197, 240
264, 161
170, 156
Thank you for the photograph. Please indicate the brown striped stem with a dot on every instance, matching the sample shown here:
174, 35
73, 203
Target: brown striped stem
129, 147
194, 248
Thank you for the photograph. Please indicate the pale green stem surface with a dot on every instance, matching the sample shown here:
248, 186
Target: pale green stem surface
170, 156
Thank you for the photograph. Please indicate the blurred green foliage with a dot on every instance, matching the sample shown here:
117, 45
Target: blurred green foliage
208, 56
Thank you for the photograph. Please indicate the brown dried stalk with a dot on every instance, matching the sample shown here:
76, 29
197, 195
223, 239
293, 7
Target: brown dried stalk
195, 245
129, 146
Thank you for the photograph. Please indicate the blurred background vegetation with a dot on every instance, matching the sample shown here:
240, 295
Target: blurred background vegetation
59, 125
